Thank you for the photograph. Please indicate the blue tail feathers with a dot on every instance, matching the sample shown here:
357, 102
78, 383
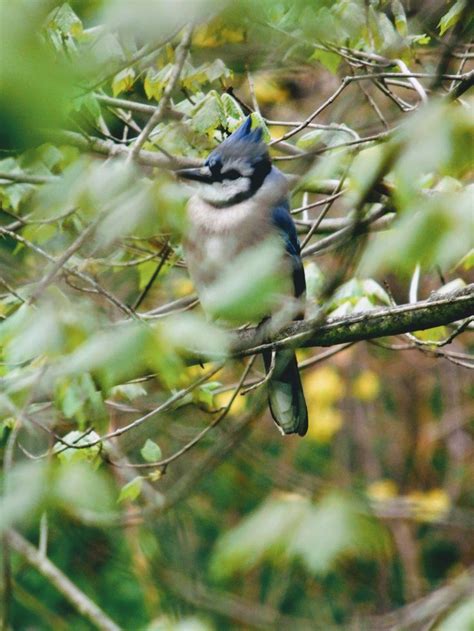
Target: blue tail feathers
285, 393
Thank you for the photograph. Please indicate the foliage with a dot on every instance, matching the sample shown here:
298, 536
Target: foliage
106, 386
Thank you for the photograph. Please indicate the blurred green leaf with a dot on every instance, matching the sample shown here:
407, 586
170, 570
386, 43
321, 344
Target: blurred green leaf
460, 619
400, 17
451, 18
81, 439
150, 451
262, 534
209, 114
123, 81
250, 288
290, 526
78, 487
131, 490
25, 491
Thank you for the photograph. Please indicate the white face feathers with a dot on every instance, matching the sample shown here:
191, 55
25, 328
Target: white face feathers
219, 193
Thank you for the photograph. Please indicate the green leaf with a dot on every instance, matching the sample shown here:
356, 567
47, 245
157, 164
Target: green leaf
467, 261
128, 391
193, 332
25, 490
206, 392
290, 526
76, 437
77, 487
250, 287
421, 40
208, 114
400, 17
459, 619
123, 81
131, 490
261, 534
335, 528
65, 20
451, 18
151, 452
331, 61
233, 111
155, 82
314, 280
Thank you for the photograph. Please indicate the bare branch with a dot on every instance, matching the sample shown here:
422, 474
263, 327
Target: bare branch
429, 607
84, 605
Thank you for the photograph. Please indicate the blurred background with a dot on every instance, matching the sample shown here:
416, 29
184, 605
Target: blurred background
367, 522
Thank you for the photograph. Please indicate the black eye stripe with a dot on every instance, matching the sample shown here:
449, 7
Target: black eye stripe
231, 174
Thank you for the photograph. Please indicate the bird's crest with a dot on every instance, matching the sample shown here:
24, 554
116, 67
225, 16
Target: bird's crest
244, 132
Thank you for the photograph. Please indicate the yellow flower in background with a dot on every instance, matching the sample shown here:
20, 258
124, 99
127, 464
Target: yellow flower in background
276, 131
323, 386
222, 399
381, 490
436, 334
216, 34
182, 287
189, 375
324, 423
430, 505
268, 91
366, 386
323, 389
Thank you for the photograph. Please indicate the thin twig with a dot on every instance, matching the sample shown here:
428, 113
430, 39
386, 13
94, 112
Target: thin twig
162, 464
155, 118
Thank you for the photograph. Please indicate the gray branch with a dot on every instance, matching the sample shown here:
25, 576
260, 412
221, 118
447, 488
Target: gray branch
429, 607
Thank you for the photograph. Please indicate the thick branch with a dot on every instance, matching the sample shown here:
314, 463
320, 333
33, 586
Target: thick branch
111, 149
425, 314
78, 599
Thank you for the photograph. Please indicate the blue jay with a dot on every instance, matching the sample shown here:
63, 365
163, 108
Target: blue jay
241, 202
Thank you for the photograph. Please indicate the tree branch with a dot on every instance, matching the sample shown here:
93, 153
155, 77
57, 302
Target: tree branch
70, 591
426, 314
111, 149
429, 607
155, 118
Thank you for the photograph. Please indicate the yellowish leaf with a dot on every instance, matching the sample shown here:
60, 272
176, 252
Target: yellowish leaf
325, 422
268, 91
323, 386
431, 505
182, 287
366, 386
155, 475
432, 335
216, 34
222, 400
123, 81
381, 490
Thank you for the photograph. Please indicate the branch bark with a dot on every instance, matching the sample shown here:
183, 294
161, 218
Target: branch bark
429, 607
426, 314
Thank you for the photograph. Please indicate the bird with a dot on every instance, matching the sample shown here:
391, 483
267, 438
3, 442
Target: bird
241, 203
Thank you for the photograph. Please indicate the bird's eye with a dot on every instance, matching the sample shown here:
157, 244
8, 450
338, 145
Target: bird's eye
232, 174
214, 165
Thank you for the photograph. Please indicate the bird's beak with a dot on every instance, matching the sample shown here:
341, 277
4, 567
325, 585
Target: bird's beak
198, 174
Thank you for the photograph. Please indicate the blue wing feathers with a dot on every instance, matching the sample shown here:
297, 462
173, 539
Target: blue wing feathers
283, 221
